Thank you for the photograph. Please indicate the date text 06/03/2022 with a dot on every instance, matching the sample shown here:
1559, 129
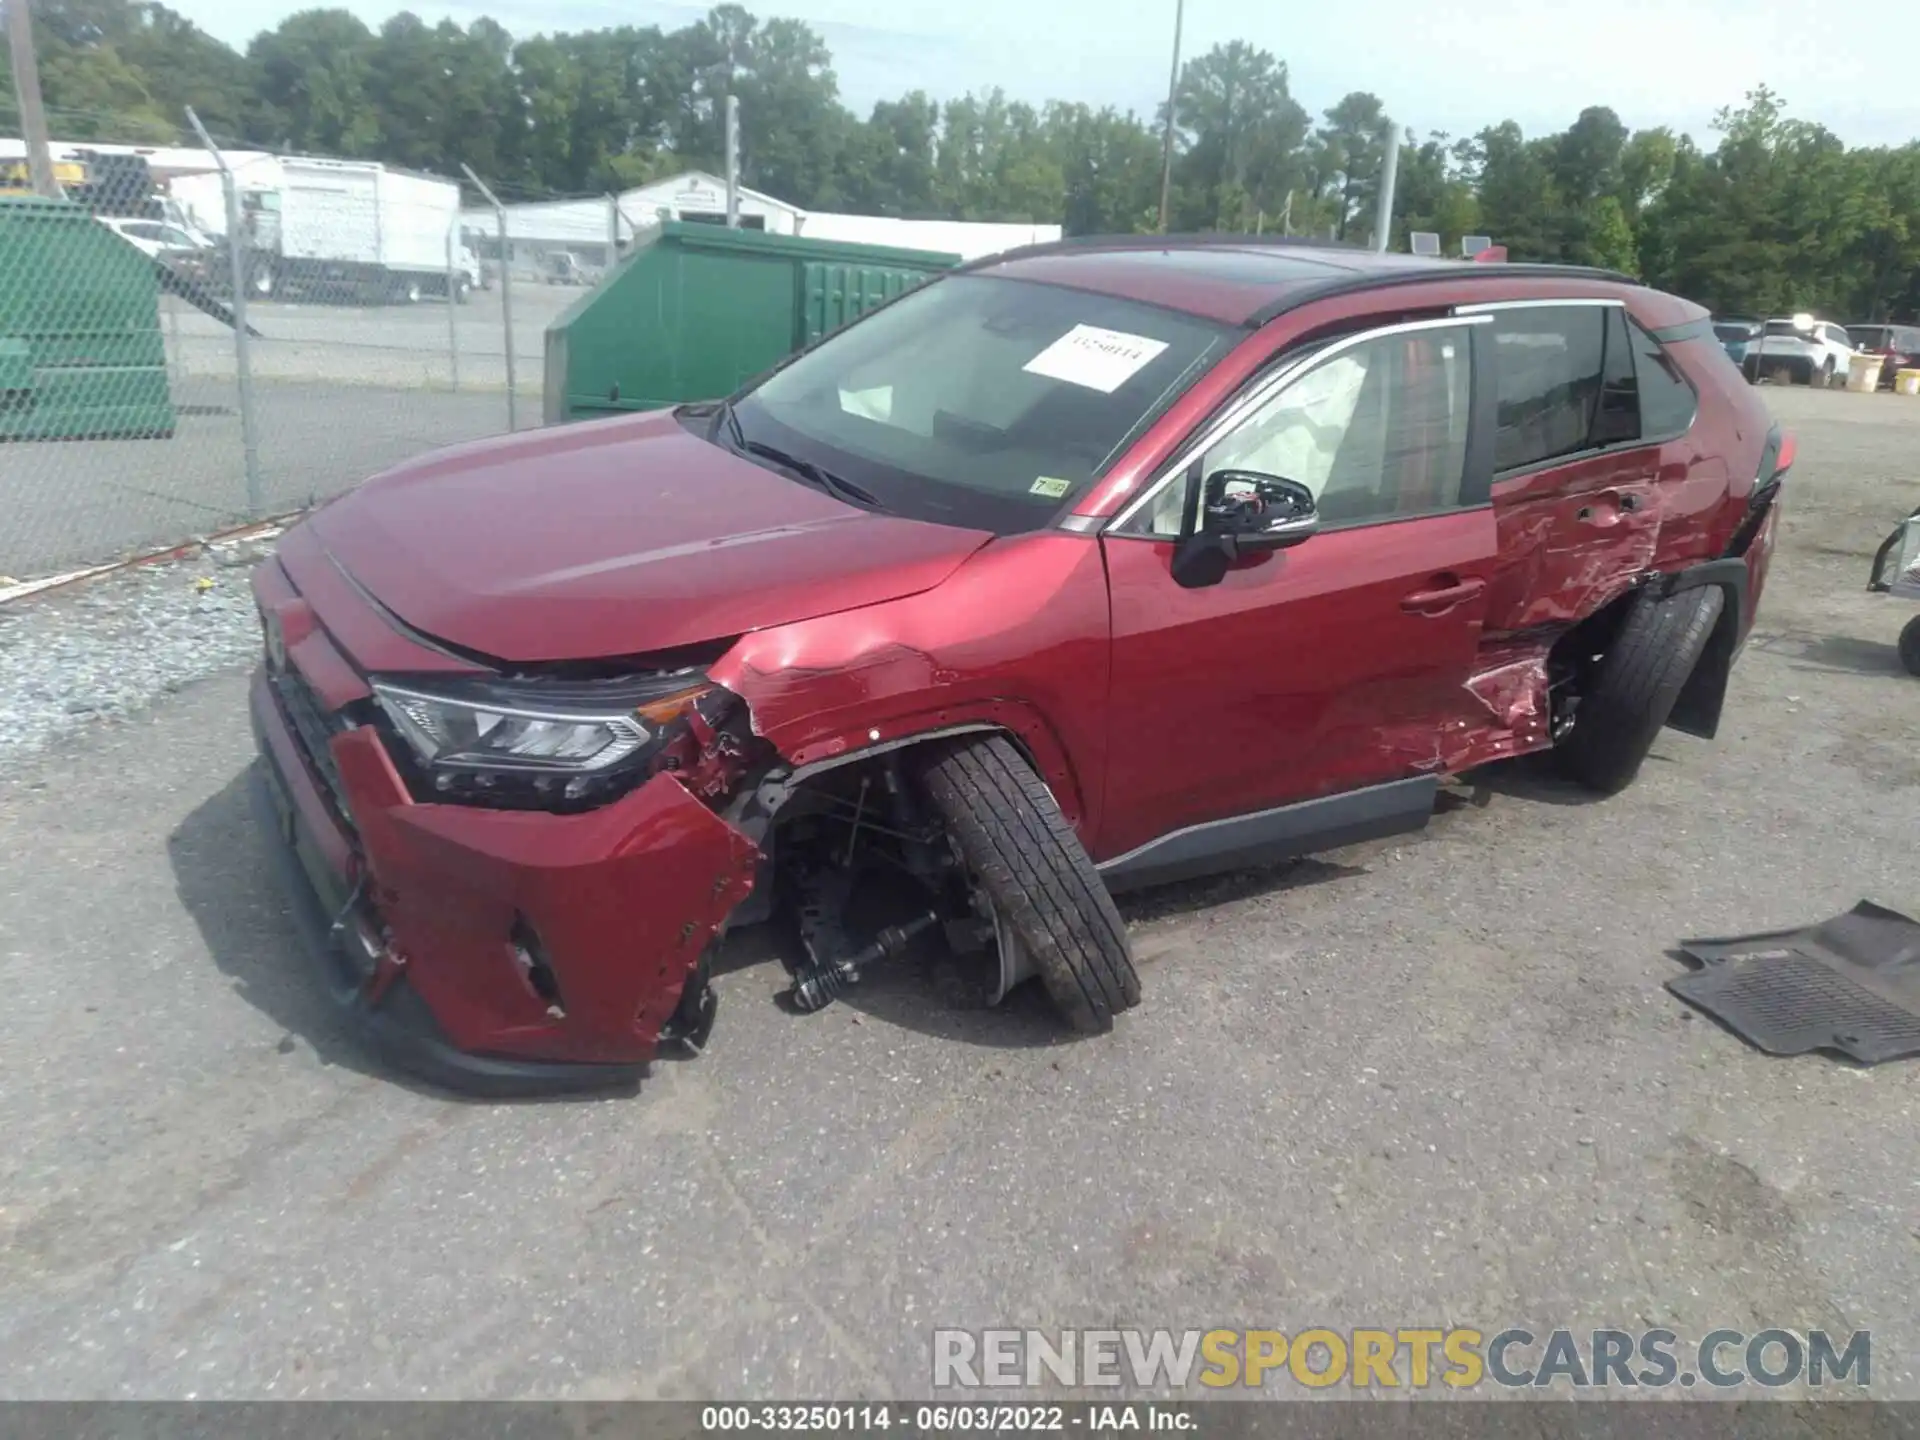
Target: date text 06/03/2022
861, 1418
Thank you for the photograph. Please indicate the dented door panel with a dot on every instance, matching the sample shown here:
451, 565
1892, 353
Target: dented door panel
1575, 537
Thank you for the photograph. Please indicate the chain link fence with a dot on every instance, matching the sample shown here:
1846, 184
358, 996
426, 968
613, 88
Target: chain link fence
233, 342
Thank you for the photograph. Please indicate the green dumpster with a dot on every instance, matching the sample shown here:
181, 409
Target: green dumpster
696, 310
81, 354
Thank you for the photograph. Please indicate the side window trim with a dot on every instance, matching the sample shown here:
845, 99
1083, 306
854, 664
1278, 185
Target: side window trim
1266, 383
1664, 437
1533, 467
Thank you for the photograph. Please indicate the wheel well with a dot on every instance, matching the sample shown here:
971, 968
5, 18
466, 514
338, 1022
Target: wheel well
1584, 639
1697, 711
849, 795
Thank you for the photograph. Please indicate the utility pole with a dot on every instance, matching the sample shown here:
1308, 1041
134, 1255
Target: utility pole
733, 162
26, 86
1173, 90
1389, 169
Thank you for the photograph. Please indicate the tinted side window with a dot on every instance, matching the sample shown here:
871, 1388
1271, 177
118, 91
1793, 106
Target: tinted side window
1619, 419
1667, 401
1549, 362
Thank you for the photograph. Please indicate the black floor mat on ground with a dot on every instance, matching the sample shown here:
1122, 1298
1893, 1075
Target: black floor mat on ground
1850, 984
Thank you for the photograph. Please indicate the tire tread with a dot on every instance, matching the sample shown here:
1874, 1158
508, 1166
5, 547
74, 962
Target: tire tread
1640, 679
1038, 875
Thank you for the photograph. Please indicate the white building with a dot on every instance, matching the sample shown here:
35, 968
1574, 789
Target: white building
585, 227
969, 239
539, 229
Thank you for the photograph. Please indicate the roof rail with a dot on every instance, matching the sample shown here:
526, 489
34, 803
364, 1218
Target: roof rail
1184, 240
1440, 271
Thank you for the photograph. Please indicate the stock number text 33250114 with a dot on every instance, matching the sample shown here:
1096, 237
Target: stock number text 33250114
936, 1419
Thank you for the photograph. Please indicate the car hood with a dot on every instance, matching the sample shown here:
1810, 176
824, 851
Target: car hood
617, 537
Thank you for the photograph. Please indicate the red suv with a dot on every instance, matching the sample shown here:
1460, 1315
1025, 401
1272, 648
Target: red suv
1084, 567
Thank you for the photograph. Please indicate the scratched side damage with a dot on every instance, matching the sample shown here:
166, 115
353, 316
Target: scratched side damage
1565, 557
1515, 691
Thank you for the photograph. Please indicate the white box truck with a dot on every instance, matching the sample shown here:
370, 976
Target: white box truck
341, 230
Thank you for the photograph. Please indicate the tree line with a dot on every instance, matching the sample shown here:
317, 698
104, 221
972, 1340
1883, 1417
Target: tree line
1778, 215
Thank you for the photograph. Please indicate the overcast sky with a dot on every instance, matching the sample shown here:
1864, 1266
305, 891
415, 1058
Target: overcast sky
1438, 64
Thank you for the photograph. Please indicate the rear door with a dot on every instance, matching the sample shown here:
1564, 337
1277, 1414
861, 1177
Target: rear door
1337, 664
1582, 482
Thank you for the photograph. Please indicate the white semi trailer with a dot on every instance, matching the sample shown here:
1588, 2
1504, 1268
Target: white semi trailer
345, 230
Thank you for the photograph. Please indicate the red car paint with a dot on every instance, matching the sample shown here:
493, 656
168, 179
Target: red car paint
616, 547
1368, 654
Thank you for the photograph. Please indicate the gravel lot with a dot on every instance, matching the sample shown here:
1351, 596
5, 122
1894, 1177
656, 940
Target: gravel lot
1430, 1081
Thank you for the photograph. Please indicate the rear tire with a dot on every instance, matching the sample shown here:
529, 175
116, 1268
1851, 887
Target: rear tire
1910, 646
1023, 855
1635, 686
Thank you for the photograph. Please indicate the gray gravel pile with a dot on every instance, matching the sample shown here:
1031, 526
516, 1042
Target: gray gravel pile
107, 648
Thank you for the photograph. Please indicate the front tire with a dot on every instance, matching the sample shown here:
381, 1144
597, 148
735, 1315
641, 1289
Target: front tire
1037, 878
1910, 646
1635, 685
1823, 377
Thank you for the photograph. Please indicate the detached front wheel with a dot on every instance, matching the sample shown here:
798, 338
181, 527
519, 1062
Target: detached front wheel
1634, 686
1037, 882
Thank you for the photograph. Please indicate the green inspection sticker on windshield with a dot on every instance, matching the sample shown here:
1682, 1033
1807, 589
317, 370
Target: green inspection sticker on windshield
1053, 489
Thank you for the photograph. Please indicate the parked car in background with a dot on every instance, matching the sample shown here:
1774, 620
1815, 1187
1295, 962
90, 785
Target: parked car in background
563, 267
1897, 347
1803, 349
1735, 336
182, 249
945, 599
157, 237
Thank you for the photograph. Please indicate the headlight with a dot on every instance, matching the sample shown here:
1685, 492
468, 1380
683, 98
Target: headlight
560, 737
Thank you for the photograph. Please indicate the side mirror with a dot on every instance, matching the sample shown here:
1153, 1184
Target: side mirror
1243, 513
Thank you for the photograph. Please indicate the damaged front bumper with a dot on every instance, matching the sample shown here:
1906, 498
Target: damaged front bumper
491, 951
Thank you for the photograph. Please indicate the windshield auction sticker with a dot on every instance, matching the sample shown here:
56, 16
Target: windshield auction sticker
1102, 360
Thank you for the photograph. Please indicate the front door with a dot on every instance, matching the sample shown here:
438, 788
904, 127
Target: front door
1337, 664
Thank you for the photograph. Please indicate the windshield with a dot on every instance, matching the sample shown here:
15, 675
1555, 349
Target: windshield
1788, 328
1734, 330
1870, 337
982, 402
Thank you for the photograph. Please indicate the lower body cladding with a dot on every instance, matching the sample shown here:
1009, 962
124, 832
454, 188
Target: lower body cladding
498, 951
